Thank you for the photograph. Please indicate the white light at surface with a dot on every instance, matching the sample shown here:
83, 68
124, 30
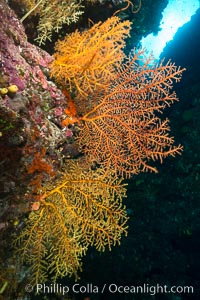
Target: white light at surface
175, 15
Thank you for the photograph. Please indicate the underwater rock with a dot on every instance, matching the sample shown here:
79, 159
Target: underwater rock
27, 102
20, 60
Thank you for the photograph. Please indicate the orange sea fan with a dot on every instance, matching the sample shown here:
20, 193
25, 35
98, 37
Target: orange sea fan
123, 130
87, 60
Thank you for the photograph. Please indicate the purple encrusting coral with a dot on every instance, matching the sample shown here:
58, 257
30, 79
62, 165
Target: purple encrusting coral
19, 58
27, 66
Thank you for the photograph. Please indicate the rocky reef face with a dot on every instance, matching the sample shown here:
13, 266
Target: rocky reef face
19, 59
31, 136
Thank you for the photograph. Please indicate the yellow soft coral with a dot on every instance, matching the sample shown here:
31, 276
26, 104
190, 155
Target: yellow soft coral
82, 208
52, 15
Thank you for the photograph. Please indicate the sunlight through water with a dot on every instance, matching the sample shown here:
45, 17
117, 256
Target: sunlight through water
175, 15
